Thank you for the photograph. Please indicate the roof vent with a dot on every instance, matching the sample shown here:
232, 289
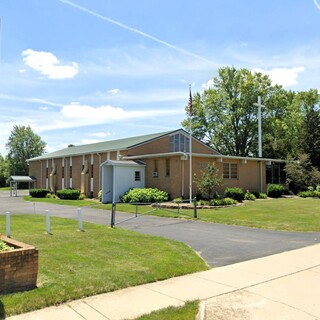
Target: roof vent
71, 145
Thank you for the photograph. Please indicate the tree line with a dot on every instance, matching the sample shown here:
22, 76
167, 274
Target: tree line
225, 117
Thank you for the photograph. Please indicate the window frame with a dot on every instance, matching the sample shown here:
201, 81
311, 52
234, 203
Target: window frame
230, 171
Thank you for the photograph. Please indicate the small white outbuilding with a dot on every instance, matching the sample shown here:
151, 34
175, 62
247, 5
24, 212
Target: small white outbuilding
119, 176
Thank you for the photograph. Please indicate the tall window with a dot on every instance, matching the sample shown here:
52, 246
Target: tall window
70, 172
179, 143
155, 166
62, 172
167, 167
92, 171
230, 171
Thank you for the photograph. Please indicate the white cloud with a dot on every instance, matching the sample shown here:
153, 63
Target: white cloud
286, 77
44, 108
114, 91
207, 85
31, 100
86, 115
101, 134
48, 64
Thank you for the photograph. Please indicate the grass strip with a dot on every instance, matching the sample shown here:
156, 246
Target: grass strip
186, 312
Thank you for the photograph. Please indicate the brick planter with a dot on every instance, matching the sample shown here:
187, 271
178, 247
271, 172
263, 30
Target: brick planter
18, 267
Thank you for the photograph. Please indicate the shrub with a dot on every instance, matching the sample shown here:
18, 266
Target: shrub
39, 193
223, 202
262, 195
309, 194
81, 197
208, 181
100, 195
177, 200
306, 194
201, 203
144, 195
249, 196
4, 246
68, 194
275, 190
234, 193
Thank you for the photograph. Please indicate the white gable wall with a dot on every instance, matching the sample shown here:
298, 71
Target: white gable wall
116, 180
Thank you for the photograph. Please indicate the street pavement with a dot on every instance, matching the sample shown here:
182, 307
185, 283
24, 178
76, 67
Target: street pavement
217, 244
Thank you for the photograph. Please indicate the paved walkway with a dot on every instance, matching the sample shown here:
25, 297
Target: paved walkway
281, 286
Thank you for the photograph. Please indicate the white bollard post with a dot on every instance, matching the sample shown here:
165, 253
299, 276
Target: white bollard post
8, 227
80, 219
48, 222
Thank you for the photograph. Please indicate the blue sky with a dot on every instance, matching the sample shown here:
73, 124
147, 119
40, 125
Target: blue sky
85, 71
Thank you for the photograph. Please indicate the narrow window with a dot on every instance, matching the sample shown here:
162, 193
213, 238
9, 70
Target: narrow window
155, 166
137, 176
47, 173
70, 172
62, 172
92, 171
167, 167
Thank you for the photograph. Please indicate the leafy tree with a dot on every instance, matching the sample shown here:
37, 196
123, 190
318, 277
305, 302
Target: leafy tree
4, 171
301, 174
209, 181
22, 145
310, 102
225, 117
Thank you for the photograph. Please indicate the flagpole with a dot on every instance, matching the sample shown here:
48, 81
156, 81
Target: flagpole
190, 144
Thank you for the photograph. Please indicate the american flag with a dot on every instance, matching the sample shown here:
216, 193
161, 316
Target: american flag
190, 103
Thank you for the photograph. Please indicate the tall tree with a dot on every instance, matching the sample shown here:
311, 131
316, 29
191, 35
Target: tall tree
310, 102
4, 171
22, 145
225, 116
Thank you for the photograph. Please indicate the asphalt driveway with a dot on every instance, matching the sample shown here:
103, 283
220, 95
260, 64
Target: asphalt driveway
217, 244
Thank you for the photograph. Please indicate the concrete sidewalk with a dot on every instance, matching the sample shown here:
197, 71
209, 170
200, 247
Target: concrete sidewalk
282, 286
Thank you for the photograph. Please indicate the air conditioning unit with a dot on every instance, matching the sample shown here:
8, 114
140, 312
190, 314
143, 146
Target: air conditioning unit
155, 174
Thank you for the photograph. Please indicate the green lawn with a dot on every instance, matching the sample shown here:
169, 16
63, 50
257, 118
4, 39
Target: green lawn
187, 312
76, 264
291, 214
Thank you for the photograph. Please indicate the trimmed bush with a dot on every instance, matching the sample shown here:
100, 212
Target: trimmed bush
249, 196
223, 202
262, 195
275, 190
68, 194
234, 193
177, 200
309, 194
145, 195
39, 193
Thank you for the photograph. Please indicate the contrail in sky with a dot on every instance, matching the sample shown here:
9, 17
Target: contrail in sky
143, 34
316, 4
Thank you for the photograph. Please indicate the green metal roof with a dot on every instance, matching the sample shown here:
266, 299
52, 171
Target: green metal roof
106, 146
